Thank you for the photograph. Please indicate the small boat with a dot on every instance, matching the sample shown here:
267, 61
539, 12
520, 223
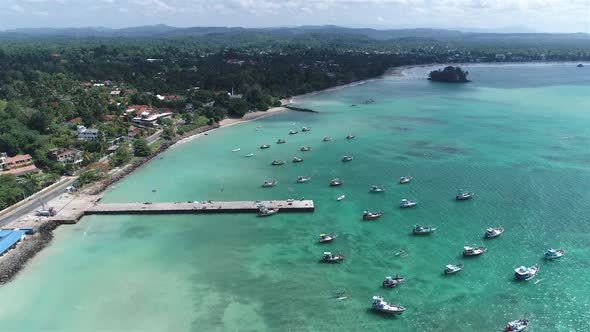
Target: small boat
277, 162
267, 184
341, 197
293, 132
236, 150
450, 268
281, 141
526, 273
463, 196
249, 155
328, 257
368, 215
265, 146
420, 230
347, 158
335, 182
380, 305
580, 65
377, 189
350, 136
265, 212
305, 129
301, 179
493, 232
327, 238
390, 282
473, 251
305, 148
407, 203
405, 179
517, 325
297, 159
554, 253
327, 138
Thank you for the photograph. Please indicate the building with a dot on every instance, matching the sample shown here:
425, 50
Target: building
116, 93
77, 121
86, 134
149, 118
17, 165
137, 109
9, 238
66, 156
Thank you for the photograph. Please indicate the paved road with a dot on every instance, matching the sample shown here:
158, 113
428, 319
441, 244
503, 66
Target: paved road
154, 137
34, 204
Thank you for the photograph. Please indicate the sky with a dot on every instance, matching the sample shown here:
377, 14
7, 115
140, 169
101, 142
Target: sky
525, 15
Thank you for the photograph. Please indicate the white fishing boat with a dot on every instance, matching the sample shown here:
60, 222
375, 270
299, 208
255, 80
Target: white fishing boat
554, 253
327, 238
302, 179
327, 139
341, 197
380, 305
236, 150
493, 232
265, 212
249, 155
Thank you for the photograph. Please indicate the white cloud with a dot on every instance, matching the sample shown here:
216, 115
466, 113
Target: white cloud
17, 8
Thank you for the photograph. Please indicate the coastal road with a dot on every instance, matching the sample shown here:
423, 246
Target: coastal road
35, 203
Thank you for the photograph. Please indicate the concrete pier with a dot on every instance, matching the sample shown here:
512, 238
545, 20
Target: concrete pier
199, 207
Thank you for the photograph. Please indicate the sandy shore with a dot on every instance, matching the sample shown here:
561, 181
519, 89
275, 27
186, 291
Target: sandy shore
253, 116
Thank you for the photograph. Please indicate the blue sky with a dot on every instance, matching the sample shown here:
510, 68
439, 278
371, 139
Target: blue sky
538, 15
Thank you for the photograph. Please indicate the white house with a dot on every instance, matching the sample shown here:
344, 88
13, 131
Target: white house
149, 118
85, 134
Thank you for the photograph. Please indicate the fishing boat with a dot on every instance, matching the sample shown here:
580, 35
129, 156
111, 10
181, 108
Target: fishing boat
265, 212
450, 268
368, 215
305, 129
517, 325
380, 305
249, 155
407, 203
327, 138
526, 273
347, 158
390, 282
236, 150
554, 253
493, 232
277, 162
327, 238
473, 251
328, 257
301, 179
305, 148
281, 141
335, 182
297, 159
350, 136
405, 179
293, 132
341, 197
377, 189
265, 146
420, 230
463, 196
267, 184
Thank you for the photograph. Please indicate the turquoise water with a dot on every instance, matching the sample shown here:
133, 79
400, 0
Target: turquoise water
518, 136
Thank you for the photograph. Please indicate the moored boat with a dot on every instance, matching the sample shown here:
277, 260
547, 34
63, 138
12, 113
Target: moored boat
450, 268
405, 179
368, 215
267, 184
391, 282
517, 325
463, 196
236, 150
421, 230
377, 189
347, 158
277, 162
281, 141
473, 251
327, 238
493, 232
554, 253
335, 182
305, 129
249, 155
327, 138
297, 159
526, 273
341, 197
293, 132
350, 136
265, 146
301, 179
380, 305
407, 203
305, 148
265, 212
328, 257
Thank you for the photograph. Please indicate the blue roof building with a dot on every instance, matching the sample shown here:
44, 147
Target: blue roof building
9, 238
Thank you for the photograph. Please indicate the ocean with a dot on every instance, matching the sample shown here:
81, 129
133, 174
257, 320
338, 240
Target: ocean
517, 136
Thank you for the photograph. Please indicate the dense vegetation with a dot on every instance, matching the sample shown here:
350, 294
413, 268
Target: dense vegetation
449, 74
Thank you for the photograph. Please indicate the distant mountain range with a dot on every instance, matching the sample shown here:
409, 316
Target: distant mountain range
165, 31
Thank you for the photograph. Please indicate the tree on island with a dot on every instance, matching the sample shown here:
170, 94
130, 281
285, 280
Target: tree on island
449, 74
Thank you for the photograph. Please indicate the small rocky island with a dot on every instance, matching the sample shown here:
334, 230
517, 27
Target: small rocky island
449, 74
580, 65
